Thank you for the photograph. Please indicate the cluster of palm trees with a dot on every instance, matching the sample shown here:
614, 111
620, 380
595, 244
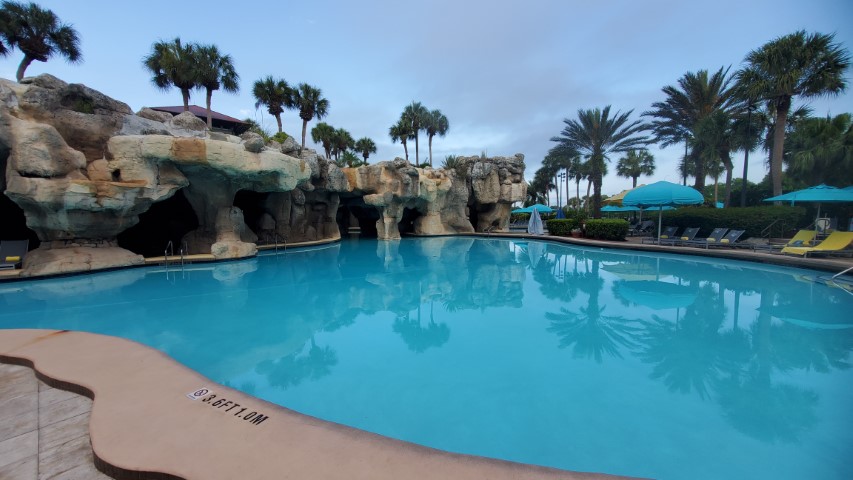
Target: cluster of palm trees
414, 119
714, 115
277, 95
37, 33
339, 144
191, 66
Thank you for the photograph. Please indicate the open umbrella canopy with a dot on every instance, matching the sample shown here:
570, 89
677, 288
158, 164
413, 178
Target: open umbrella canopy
560, 213
538, 207
617, 199
662, 194
817, 194
655, 295
613, 208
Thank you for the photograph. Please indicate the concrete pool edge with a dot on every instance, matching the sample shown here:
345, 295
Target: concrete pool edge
143, 422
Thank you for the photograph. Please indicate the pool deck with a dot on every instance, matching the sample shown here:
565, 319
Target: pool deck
144, 423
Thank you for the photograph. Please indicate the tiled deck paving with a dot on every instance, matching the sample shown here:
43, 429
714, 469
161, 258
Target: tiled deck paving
44, 431
142, 422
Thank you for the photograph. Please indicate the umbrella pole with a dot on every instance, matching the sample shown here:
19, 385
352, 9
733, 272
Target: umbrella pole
660, 211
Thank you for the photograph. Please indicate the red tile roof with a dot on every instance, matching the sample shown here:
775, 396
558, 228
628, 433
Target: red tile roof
200, 112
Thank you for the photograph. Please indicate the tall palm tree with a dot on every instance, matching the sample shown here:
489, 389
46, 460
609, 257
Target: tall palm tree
37, 33
713, 138
415, 116
215, 71
595, 134
342, 142
275, 94
798, 64
310, 103
365, 146
324, 134
401, 131
697, 96
636, 163
435, 124
173, 64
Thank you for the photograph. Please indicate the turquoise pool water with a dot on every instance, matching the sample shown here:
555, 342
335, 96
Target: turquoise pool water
585, 359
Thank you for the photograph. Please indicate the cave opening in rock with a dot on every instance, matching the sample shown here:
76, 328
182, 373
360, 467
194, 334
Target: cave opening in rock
354, 213
14, 222
407, 223
253, 206
165, 221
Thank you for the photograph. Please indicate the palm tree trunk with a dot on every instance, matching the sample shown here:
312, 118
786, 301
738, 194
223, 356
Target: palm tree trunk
635, 182
588, 186
417, 154
596, 196
405, 149
557, 188
727, 161
304, 129
782, 107
699, 184
23, 67
578, 192
430, 151
568, 191
186, 94
278, 120
209, 118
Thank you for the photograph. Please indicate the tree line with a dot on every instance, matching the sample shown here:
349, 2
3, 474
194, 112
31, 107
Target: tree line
717, 114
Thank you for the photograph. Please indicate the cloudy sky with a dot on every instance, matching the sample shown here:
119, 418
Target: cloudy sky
505, 73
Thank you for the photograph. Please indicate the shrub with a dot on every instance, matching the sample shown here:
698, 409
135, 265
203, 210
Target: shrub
279, 137
751, 219
561, 227
519, 217
607, 229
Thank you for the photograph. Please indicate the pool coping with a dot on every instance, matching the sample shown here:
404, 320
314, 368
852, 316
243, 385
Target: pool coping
147, 422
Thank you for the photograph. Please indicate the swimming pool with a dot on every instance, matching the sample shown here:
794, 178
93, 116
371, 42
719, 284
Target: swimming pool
585, 359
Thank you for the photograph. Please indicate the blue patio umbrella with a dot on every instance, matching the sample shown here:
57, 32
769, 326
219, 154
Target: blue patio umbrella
662, 194
538, 207
817, 194
560, 213
613, 208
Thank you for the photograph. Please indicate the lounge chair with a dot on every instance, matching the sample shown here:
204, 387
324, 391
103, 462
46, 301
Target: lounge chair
665, 234
803, 238
836, 243
714, 238
12, 253
730, 240
687, 236
644, 228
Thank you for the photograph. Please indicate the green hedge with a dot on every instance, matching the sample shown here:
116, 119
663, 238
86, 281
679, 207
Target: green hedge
751, 219
607, 229
561, 227
519, 217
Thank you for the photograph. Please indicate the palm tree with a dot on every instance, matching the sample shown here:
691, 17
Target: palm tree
37, 33
798, 64
342, 141
712, 143
215, 71
697, 96
324, 134
636, 163
365, 146
401, 131
415, 116
310, 103
595, 134
275, 94
173, 64
435, 124
821, 150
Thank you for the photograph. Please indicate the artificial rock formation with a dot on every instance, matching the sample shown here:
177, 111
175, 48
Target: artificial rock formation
83, 168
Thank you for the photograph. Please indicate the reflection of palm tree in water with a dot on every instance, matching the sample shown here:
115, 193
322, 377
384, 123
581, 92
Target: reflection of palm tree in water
589, 332
292, 369
419, 338
688, 355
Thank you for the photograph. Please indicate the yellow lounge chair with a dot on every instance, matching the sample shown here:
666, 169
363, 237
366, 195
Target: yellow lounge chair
803, 238
835, 242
